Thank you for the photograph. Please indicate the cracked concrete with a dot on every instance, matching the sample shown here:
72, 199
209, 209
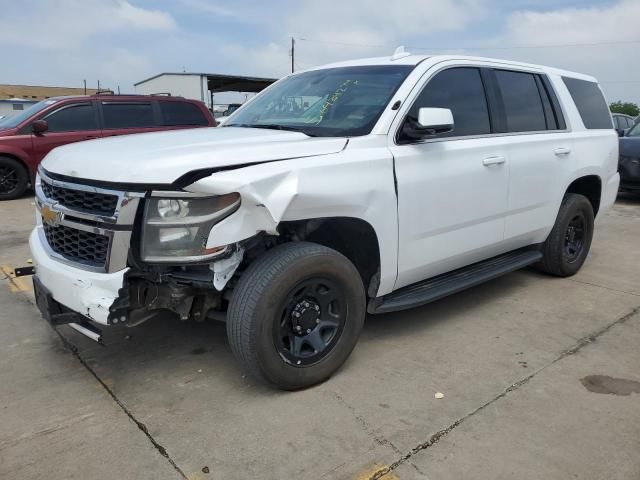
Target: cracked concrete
436, 437
166, 400
143, 428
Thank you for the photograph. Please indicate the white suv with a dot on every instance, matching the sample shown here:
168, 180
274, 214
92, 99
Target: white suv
366, 186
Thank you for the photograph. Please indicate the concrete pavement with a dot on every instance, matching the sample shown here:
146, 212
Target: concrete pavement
166, 399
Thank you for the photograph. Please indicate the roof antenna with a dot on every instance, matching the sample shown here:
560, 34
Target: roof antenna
399, 53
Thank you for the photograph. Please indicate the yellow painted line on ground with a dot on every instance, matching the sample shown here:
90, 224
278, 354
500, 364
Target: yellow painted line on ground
16, 285
367, 474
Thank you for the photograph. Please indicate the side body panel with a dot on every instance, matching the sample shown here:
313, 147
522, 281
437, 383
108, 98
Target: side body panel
451, 206
357, 182
452, 200
18, 145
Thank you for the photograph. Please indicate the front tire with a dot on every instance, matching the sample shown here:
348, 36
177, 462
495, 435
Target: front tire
567, 246
296, 315
14, 178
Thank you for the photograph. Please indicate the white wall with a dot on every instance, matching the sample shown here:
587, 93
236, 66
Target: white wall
188, 86
6, 107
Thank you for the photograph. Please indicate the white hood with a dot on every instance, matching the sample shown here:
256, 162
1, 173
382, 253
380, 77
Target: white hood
162, 157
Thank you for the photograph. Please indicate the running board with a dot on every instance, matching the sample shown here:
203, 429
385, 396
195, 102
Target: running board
438, 287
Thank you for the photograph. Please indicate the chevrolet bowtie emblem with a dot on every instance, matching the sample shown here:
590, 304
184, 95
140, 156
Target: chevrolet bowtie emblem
50, 216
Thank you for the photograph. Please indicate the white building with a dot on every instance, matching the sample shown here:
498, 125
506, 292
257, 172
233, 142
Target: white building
12, 106
201, 86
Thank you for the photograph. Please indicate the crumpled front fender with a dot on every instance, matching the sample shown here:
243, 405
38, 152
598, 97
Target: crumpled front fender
359, 185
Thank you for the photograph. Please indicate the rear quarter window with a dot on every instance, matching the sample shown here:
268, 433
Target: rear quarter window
590, 103
181, 113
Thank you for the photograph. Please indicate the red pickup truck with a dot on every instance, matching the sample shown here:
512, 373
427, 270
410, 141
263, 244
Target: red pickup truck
27, 137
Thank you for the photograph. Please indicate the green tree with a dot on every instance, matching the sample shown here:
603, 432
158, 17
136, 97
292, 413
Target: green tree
628, 108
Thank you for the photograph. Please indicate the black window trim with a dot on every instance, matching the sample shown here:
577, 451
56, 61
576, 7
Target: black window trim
64, 106
557, 107
498, 106
157, 120
544, 95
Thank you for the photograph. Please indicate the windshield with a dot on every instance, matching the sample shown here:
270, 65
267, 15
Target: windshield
15, 120
331, 102
635, 131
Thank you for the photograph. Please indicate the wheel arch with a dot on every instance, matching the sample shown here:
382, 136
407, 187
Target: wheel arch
591, 187
353, 237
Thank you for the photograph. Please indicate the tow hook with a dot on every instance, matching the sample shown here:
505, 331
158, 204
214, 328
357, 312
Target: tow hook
24, 271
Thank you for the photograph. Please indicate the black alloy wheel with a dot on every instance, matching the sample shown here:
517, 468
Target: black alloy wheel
574, 237
311, 321
8, 179
296, 314
567, 246
14, 178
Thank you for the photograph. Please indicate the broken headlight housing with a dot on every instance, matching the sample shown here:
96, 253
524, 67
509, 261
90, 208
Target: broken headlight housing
177, 225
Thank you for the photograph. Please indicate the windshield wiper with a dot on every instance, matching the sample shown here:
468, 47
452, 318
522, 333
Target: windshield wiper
271, 126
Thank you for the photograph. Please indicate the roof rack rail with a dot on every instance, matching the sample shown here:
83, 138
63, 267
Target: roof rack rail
161, 94
104, 92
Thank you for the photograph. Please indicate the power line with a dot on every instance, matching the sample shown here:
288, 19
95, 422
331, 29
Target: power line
513, 47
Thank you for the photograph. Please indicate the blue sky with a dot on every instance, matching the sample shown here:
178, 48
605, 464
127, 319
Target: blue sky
122, 41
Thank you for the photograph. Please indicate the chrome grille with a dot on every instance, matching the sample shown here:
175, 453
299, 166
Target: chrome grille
82, 201
85, 226
76, 245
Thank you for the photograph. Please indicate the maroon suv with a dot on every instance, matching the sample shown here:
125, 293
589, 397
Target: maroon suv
27, 137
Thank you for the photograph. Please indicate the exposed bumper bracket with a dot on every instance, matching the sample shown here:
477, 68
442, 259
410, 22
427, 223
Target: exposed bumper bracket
88, 331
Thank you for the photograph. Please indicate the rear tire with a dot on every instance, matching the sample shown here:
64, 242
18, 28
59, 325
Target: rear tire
14, 178
567, 246
296, 315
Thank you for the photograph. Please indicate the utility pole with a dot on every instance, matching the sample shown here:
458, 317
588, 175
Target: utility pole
293, 53
85, 86
98, 85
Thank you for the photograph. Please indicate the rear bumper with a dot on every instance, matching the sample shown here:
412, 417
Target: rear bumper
609, 194
88, 293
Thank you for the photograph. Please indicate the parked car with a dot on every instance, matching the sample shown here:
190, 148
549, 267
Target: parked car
629, 161
27, 137
399, 181
232, 107
622, 123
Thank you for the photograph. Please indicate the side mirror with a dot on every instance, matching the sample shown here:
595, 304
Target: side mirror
39, 127
433, 121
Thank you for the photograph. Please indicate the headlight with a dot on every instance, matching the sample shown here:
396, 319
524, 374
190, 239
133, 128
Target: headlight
177, 225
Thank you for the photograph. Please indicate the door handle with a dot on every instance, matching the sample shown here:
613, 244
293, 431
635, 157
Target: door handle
495, 160
559, 152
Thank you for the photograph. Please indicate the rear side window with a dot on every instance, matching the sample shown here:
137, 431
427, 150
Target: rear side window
72, 118
523, 105
590, 103
181, 113
128, 115
462, 91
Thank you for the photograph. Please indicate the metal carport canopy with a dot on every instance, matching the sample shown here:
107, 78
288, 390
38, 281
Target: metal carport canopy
233, 83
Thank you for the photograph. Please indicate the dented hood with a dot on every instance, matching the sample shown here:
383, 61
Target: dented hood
163, 157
